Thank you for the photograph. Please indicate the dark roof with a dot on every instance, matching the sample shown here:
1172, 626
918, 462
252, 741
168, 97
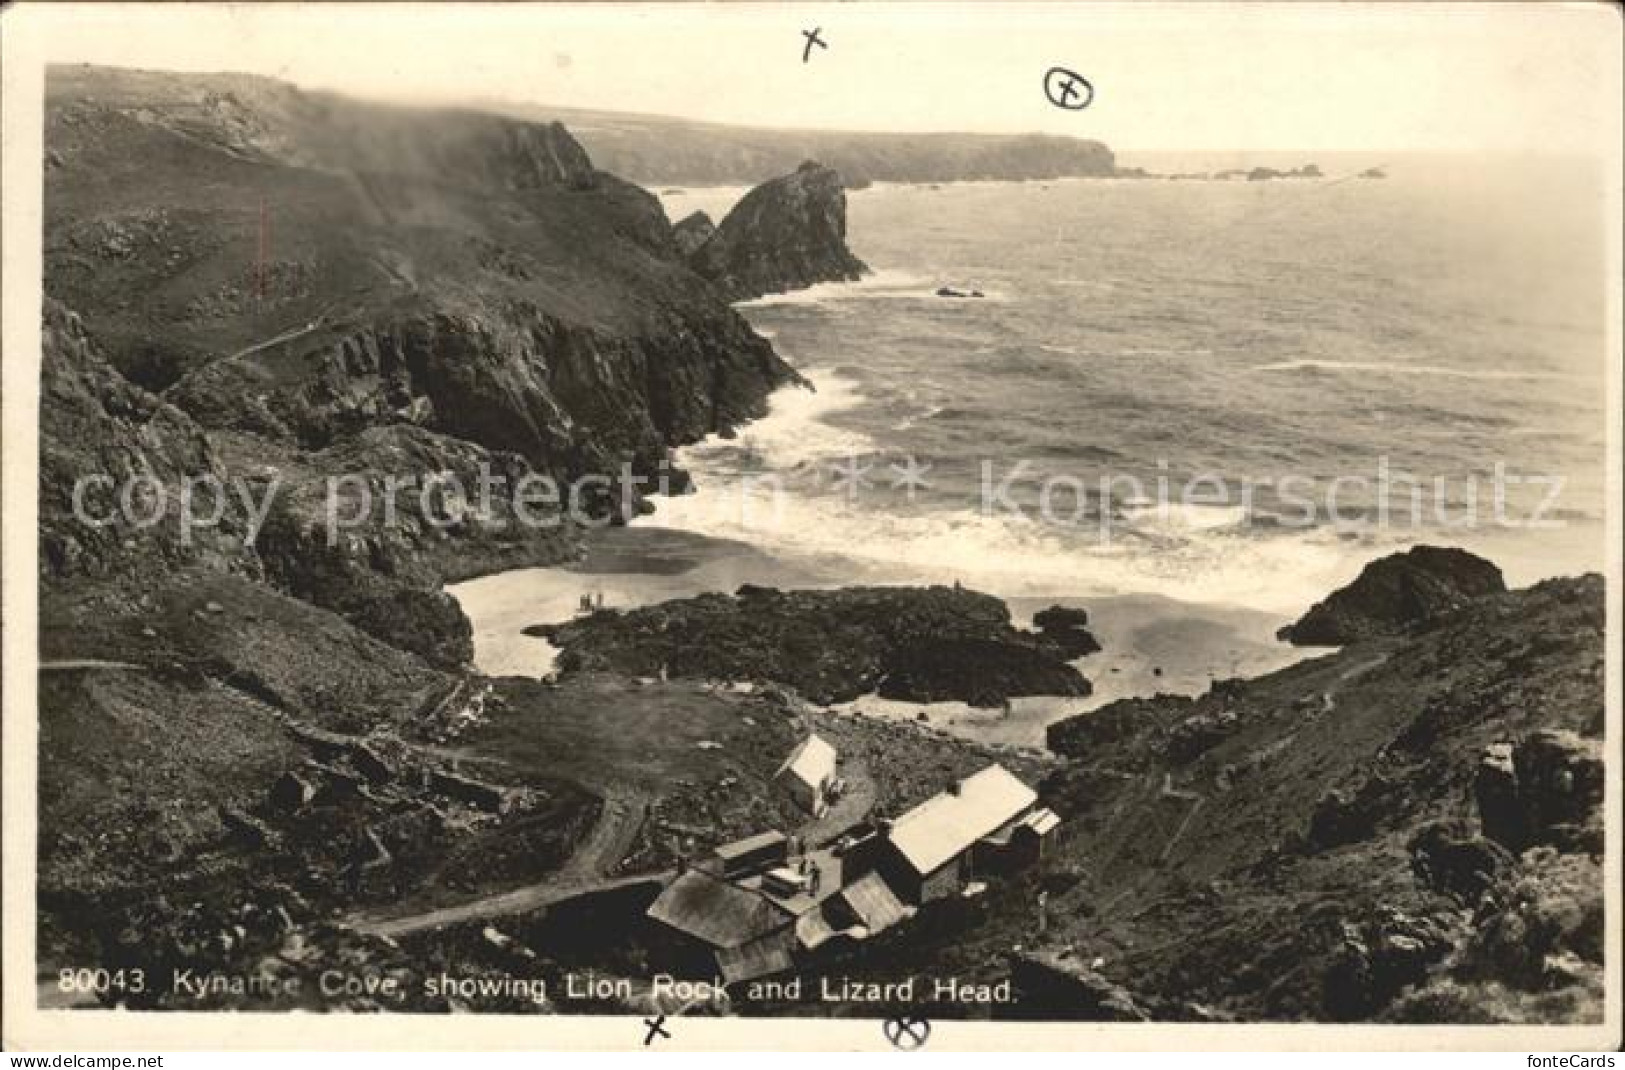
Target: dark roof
716, 911
750, 844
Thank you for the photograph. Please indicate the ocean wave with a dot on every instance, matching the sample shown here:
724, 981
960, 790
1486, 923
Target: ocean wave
1190, 554
1411, 369
793, 434
879, 283
883, 285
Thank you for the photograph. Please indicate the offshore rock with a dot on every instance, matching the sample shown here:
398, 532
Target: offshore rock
1394, 593
786, 234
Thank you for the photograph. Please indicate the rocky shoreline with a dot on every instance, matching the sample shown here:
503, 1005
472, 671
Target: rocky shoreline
264, 755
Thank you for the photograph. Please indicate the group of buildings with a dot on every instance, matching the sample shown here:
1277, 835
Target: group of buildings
754, 907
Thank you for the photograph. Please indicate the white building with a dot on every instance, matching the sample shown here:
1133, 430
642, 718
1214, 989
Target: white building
809, 774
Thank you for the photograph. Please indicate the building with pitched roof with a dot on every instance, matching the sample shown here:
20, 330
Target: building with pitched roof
809, 774
723, 928
930, 852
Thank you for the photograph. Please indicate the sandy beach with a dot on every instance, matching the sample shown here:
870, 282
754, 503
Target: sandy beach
1150, 643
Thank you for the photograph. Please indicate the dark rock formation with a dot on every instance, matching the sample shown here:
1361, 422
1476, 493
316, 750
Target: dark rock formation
1264, 174
981, 672
786, 234
1394, 593
1115, 724
692, 231
1067, 630
831, 646
1547, 789
1377, 959
1065, 988
1457, 862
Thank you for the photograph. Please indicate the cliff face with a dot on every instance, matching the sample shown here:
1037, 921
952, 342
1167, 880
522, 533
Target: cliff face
304, 266
664, 151
99, 434
786, 234
277, 282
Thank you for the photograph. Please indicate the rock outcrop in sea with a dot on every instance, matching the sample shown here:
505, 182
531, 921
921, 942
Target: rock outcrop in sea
786, 234
1394, 593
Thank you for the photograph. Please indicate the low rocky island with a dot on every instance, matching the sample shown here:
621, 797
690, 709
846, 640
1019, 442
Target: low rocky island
932, 644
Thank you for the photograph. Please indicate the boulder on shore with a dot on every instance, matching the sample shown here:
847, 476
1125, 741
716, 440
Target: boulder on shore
1394, 593
979, 672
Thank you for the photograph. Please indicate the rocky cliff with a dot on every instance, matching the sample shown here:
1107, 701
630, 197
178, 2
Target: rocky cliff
1426, 807
786, 234
302, 266
1394, 593
260, 284
658, 150
692, 231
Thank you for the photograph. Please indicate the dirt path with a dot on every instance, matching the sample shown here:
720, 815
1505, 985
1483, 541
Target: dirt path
853, 806
285, 336
505, 904
608, 842
611, 836
1328, 697
72, 664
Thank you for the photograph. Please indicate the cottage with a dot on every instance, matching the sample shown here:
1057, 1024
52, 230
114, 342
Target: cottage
929, 852
716, 927
809, 774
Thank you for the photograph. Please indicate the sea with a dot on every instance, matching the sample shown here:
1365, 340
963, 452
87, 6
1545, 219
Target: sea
1190, 407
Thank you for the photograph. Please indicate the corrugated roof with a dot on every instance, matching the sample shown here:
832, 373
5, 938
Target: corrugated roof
812, 762
760, 841
716, 911
872, 900
946, 824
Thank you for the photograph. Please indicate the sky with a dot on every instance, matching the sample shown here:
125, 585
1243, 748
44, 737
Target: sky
1183, 77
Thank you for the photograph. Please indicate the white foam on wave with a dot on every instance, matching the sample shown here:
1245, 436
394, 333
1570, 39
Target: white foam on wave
793, 434
1193, 554
885, 284
1175, 518
1408, 369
